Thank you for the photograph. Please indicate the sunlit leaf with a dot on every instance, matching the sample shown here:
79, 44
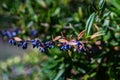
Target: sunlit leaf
62, 40
69, 53
97, 34
56, 38
59, 74
17, 39
81, 34
101, 4
89, 23
72, 43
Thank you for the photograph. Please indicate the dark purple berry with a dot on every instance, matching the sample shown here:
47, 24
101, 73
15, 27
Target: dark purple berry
62, 47
68, 46
12, 42
8, 33
19, 43
36, 43
14, 33
24, 46
78, 43
42, 50
49, 44
65, 47
34, 32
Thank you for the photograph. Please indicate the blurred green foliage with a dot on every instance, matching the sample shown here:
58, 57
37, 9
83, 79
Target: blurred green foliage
47, 16
99, 18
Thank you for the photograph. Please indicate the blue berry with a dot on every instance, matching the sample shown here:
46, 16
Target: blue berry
14, 33
65, 47
78, 43
12, 42
51, 46
24, 46
19, 43
34, 32
8, 33
69, 47
36, 43
41, 49
47, 43
62, 47
39, 44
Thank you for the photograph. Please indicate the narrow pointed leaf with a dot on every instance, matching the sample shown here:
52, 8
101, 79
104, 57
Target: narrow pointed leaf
89, 23
81, 34
101, 4
57, 38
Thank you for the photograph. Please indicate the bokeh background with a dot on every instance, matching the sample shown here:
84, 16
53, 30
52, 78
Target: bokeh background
45, 19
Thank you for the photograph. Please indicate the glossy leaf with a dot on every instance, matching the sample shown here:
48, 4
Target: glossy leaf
89, 23
81, 34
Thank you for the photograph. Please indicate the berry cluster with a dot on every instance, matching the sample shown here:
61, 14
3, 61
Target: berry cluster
65, 47
63, 44
19, 43
10, 32
35, 43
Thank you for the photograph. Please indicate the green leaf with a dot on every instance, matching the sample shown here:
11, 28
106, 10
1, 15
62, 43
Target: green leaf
101, 4
29, 7
106, 24
73, 29
56, 12
116, 4
92, 74
59, 74
89, 23
41, 3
